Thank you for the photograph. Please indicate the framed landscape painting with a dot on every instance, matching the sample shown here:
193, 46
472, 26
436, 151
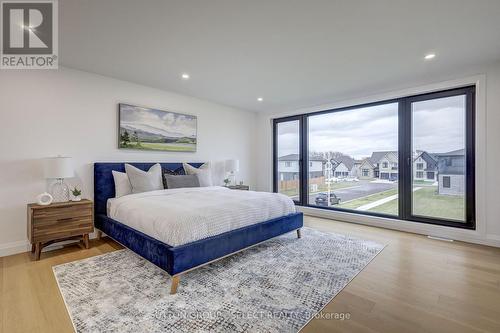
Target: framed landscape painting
151, 129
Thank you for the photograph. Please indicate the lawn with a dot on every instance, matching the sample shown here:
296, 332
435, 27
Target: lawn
290, 192
335, 186
321, 188
161, 146
390, 208
353, 204
424, 182
426, 202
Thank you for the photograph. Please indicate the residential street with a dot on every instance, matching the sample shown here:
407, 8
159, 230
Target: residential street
358, 190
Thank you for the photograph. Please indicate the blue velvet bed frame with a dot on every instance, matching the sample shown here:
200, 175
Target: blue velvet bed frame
179, 259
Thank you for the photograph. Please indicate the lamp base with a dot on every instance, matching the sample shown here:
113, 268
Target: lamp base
232, 178
59, 191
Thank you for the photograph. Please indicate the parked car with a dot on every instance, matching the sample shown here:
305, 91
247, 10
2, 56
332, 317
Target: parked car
322, 199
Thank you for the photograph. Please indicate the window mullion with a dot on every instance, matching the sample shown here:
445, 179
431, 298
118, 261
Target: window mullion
405, 159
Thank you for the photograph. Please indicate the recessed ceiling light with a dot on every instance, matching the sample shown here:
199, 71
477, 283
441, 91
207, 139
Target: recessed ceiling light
185, 76
260, 99
430, 56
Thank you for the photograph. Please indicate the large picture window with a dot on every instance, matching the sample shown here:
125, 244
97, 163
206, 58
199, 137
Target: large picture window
355, 154
411, 158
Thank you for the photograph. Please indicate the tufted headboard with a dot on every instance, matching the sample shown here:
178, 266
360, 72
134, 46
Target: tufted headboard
104, 184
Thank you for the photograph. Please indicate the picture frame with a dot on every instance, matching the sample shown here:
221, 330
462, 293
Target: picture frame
143, 128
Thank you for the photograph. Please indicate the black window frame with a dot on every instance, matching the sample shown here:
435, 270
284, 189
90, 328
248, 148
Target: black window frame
302, 166
405, 157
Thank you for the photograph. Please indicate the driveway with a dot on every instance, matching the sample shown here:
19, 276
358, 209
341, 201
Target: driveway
358, 190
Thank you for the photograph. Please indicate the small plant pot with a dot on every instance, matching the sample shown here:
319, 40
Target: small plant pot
77, 198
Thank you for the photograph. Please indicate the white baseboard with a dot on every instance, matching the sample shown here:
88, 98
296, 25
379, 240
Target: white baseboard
494, 238
8, 249
11, 248
469, 236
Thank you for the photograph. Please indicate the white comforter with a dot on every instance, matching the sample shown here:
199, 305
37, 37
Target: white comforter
184, 215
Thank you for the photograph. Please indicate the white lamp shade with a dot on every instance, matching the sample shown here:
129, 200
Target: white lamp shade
58, 167
232, 165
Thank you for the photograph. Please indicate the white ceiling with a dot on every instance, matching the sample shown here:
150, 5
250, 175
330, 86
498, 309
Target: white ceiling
292, 53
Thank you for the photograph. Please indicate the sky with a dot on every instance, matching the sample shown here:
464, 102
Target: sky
157, 121
438, 126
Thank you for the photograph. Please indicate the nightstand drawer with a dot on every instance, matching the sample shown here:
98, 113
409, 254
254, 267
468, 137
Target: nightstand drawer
68, 222
61, 213
68, 228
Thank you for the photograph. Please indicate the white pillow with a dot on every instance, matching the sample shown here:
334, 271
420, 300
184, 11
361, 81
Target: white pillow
122, 184
143, 181
203, 172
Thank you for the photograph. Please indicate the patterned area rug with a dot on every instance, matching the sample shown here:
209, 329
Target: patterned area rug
277, 286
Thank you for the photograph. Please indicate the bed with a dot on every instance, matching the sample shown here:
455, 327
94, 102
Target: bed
199, 231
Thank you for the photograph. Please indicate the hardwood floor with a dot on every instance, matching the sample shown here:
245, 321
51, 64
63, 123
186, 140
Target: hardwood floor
417, 285
414, 285
29, 296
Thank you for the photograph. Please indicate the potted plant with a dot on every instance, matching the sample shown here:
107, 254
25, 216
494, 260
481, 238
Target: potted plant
77, 194
226, 182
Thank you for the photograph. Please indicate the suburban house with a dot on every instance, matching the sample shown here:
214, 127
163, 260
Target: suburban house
425, 167
288, 167
446, 168
356, 168
316, 167
343, 167
451, 172
367, 169
382, 165
387, 164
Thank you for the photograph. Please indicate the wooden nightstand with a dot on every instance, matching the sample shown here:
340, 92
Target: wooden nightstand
59, 221
239, 187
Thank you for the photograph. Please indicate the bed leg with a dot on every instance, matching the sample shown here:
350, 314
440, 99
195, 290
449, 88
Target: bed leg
98, 234
175, 284
299, 234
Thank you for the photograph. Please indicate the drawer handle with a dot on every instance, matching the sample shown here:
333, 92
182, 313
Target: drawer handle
64, 220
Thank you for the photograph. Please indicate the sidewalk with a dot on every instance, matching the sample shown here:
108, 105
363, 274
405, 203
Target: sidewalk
382, 201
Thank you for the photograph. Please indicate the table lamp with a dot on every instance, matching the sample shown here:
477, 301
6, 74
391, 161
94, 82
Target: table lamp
59, 168
232, 166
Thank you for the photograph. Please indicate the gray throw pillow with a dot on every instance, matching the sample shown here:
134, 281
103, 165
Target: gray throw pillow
143, 181
179, 181
177, 172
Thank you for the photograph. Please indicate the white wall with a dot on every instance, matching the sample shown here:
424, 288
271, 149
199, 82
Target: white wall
73, 113
487, 151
